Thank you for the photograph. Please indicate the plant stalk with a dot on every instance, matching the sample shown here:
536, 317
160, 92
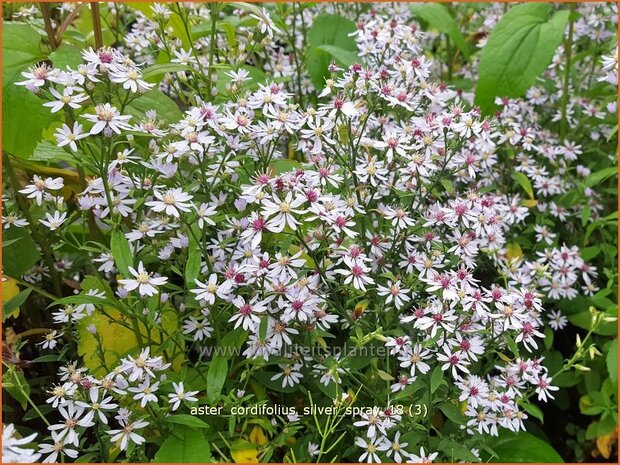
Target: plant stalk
94, 6
568, 53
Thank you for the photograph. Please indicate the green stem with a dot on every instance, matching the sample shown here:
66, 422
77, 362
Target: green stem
47, 20
40, 239
212, 44
568, 53
94, 6
20, 386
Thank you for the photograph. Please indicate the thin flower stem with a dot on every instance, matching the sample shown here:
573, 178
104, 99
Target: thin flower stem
97, 24
47, 20
15, 379
38, 290
40, 239
212, 44
568, 53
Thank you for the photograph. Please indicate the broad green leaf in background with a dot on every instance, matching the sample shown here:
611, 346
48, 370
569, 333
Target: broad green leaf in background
154, 73
121, 252
14, 382
519, 49
436, 378
342, 56
583, 319
49, 152
154, 99
524, 182
184, 445
23, 121
522, 447
22, 255
216, 376
612, 361
599, 176
66, 55
192, 267
328, 40
438, 17
21, 48
187, 420
284, 166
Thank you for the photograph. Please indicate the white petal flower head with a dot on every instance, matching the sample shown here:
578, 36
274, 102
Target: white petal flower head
143, 281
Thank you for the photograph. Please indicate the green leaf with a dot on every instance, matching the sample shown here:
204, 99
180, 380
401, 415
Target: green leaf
284, 166
436, 378
47, 358
81, 299
48, 151
456, 450
597, 177
263, 327
583, 319
520, 48
20, 49
187, 420
192, 267
331, 31
522, 447
524, 182
66, 55
155, 72
86, 458
588, 253
438, 17
216, 376
23, 255
24, 120
14, 303
612, 361
342, 56
452, 412
533, 410
586, 213
16, 385
121, 252
166, 108
600, 428
184, 445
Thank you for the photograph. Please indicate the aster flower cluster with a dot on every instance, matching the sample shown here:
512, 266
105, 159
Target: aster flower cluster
381, 209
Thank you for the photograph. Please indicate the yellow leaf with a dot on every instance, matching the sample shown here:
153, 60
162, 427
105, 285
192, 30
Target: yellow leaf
360, 307
529, 203
505, 358
71, 179
118, 341
385, 376
463, 406
513, 251
605, 443
9, 290
249, 455
257, 436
